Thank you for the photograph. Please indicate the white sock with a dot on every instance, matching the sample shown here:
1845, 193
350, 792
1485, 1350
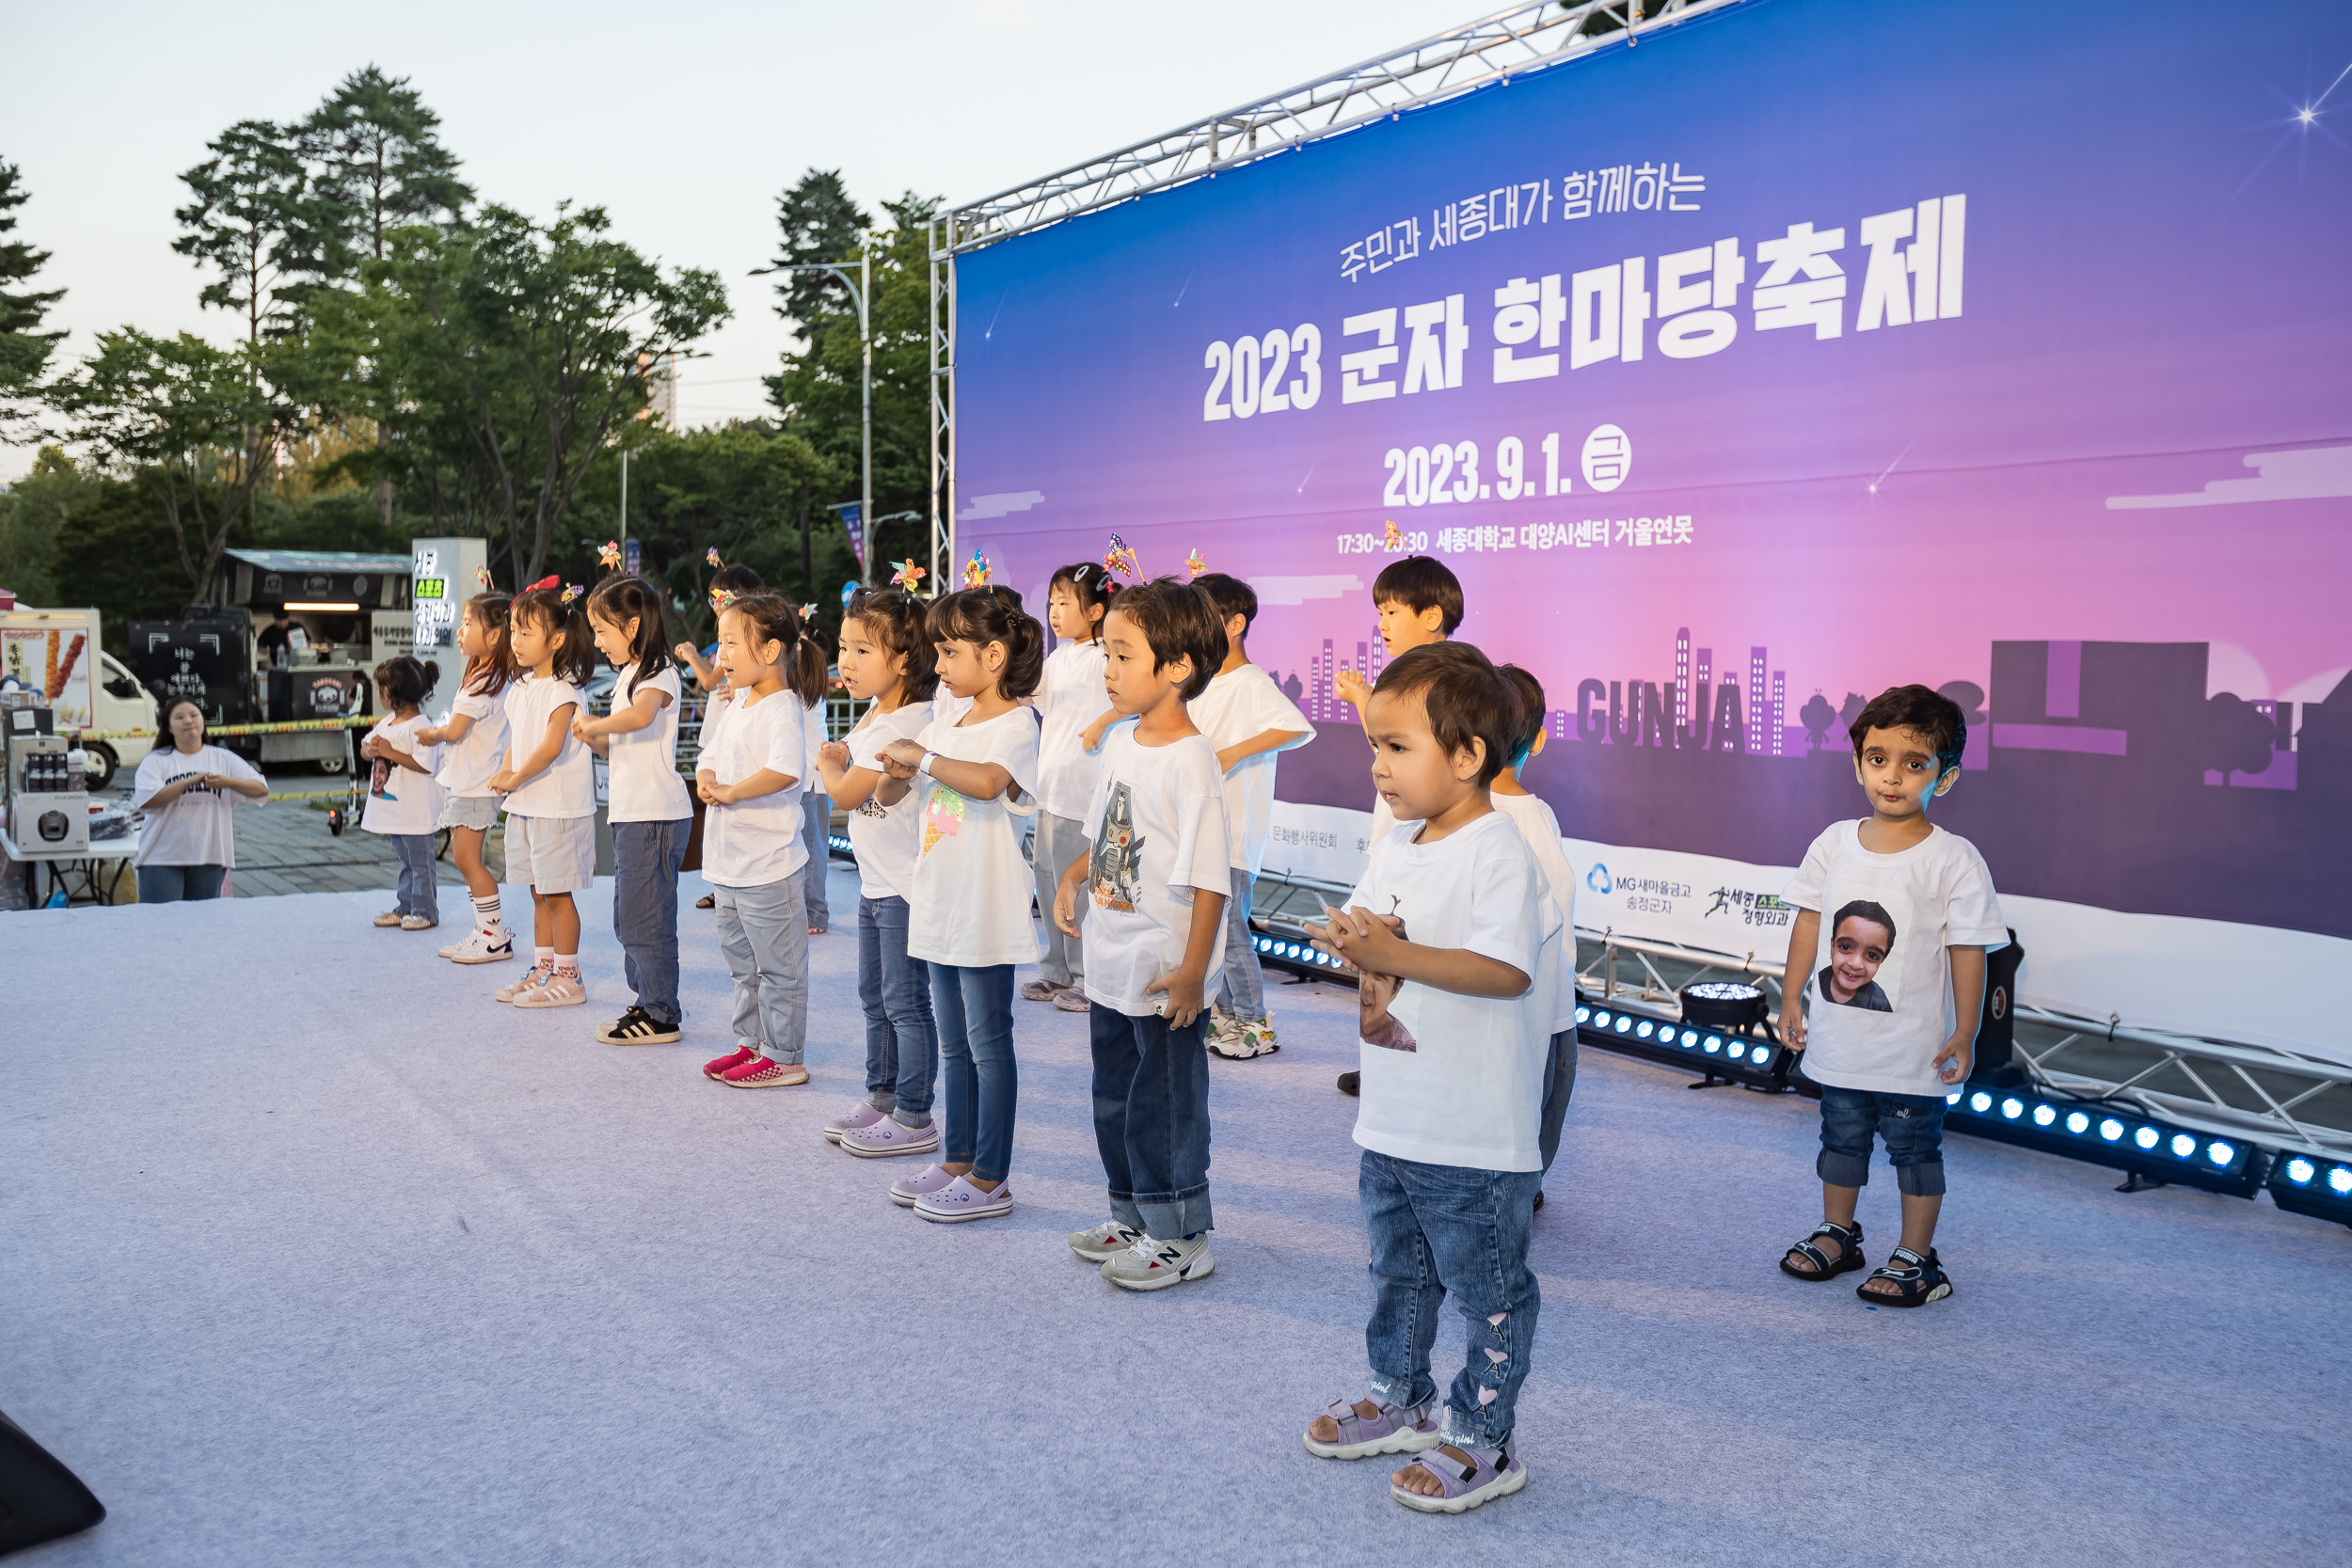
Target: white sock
487, 911
567, 965
545, 957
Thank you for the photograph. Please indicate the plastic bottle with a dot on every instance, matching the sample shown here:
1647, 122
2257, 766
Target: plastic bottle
76, 765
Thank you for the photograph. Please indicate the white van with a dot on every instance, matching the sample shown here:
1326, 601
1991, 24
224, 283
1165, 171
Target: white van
56, 651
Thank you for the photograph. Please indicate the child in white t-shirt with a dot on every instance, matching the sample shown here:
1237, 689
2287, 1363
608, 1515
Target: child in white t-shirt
812, 675
1418, 602
754, 854
472, 741
1251, 723
404, 801
1908, 913
1155, 873
1071, 707
1457, 948
886, 659
727, 584
647, 803
969, 918
1541, 830
550, 788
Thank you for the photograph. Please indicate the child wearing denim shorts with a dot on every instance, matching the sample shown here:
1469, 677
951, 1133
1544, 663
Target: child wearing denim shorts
1908, 912
1457, 943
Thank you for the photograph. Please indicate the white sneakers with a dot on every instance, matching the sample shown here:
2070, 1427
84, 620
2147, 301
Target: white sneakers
481, 948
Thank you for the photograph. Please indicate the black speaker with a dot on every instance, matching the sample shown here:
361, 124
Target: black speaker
1996, 1029
39, 1498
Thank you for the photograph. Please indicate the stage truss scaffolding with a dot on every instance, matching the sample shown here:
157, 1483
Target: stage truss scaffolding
1485, 53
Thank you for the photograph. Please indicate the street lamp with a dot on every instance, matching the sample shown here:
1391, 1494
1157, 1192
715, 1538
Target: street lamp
858, 291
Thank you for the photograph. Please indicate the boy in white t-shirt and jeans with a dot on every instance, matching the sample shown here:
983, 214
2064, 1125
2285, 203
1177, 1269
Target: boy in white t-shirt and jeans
1251, 724
1911, 913
1456, 942
1154, 875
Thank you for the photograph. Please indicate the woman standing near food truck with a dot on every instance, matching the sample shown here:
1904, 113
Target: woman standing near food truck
184, 788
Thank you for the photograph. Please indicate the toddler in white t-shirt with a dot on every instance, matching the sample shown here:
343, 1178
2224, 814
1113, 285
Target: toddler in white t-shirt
1456, 945
969, 918
1155, 874
404, 801
1909, 912
886, 661
1251, 724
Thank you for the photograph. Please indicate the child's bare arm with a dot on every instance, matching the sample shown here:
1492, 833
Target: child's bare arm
1093, 735
1066, 896
551, 747
1269, 740
1804, 937
626, 720
389, 753
1183, 988
1959, 1053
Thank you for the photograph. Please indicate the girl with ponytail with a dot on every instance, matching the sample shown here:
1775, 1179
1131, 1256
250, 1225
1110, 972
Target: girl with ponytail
550, 788
749, 781
649, 809
810, 677
471, 736
969, 918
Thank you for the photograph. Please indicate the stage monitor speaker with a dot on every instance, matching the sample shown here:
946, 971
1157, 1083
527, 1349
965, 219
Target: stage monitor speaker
1996, 1029
39, 1498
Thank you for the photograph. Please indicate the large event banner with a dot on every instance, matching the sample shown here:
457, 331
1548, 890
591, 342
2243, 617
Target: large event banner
1805, 349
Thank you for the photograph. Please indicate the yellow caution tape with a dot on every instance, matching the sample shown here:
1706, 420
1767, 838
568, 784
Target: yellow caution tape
349, 722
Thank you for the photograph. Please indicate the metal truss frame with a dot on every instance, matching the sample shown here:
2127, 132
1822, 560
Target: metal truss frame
2274, 1126
1490, 51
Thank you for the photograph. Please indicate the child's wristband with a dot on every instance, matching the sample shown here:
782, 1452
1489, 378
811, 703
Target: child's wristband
923, 768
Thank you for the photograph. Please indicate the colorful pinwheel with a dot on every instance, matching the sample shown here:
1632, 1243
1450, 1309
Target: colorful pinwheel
808, 613
1122, 558
722, 597
1392, 539
482, 576
712, 556
572, 591
976, 571
1194, 564
610, 556
907, 576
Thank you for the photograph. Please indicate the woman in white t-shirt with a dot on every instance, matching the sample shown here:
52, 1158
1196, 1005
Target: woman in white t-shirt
184, 787
970, 913
886, 658
750, 782
648, 809
1072, 711
404, 801
472, 737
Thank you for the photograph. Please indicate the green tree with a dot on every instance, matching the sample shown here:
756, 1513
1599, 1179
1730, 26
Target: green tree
256, 223
380, 164
517, 344
820, 223
817, 389
200, 427
33, 514
24, 349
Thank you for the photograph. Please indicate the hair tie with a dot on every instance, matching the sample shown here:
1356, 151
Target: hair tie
550, 580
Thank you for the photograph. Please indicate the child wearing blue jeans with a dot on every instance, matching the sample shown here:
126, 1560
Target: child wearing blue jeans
1457, 943
1910, 915
1154, 875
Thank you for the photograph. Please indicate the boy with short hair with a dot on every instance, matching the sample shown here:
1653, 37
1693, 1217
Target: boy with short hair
1456, 945
1420, 603
1251, 723
1157, 874
1894, 1011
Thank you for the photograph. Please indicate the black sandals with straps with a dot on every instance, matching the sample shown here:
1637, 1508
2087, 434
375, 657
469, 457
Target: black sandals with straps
1917, 1280
1848, 1240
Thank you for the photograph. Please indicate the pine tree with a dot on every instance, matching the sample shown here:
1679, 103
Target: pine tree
23, 349
256, 222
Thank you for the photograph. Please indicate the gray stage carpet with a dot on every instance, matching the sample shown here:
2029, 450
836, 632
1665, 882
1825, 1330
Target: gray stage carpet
310, 1253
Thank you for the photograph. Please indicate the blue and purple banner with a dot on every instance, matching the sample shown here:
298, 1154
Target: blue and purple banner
1805, 349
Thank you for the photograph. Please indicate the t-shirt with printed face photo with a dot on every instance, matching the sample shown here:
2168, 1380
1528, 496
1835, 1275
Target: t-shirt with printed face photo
972, 887
1157, 828
1242, 704
401, 800
1879, 1004
1469, 1090
887, 840
756, 842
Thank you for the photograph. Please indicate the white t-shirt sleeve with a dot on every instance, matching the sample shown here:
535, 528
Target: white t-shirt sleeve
1013, 748
1972, 912
1268, 709
785, 747
1804, 889
223, 760
1503, 884
1200, 860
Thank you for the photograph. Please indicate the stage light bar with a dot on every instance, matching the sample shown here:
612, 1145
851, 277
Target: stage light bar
2111, 1136
1295, 954
1726, 1053
2310, 1184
